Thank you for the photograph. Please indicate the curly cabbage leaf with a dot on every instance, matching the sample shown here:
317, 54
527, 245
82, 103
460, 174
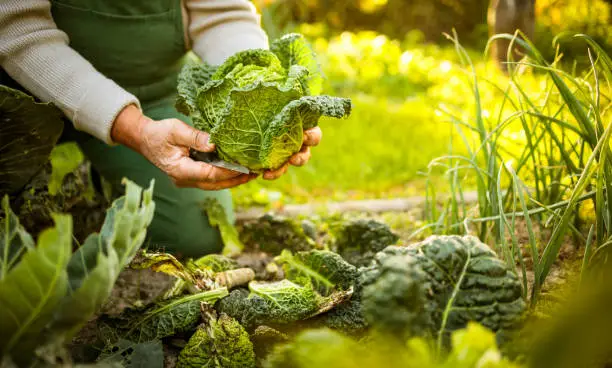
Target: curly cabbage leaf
293, 49
28, 133
159, 320
218, 343
359, 240
277, 304
396, 302
271, 233
325, 271
257, 104
464, 281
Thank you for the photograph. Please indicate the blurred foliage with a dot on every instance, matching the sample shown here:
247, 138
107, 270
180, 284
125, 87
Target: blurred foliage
432, 18
591, 17
394, 18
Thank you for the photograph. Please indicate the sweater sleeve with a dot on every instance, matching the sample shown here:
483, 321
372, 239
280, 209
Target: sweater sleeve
219, 28
35, 53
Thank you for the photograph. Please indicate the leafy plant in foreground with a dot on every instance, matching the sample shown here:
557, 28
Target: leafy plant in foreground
473, 347
257, 104
464, 281
47, 293
396, 303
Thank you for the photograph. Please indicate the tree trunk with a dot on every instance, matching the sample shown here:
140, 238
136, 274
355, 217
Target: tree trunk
507, 16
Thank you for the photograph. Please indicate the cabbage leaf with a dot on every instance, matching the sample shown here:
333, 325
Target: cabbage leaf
28, 133
257, 104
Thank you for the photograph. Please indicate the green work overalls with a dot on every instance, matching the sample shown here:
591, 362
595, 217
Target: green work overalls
140, 44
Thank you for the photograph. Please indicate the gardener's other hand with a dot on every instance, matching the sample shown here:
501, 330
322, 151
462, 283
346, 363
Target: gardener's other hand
312, 137
166, 144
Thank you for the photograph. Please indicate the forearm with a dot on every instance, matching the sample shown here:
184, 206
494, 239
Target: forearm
220, 28
36, 54
127, 127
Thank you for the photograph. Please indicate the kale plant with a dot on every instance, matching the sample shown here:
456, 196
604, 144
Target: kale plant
219, 342
359, 240
463, 281
396, 302
273, 233
257, 104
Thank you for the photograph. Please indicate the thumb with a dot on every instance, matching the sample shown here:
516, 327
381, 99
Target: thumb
185, 135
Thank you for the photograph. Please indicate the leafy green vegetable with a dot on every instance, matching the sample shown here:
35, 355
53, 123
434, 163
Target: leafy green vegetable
286, 301
359, 240
50, 289
257, 104
122, 234
292, 49
318, 348
158, 320
278, 303
264, 339
14, 240
32, 290
465, 281
65, 158
220, 343
28, 133
324, 270
273, 233
217, 217
214, 262
396, 302
473, 347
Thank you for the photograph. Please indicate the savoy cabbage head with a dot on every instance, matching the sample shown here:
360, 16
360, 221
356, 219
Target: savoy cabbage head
256, 105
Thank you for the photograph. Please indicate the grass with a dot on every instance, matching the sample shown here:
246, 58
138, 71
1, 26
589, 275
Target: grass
562, 163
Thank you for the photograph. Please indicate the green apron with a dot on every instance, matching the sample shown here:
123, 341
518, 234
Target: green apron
140, 45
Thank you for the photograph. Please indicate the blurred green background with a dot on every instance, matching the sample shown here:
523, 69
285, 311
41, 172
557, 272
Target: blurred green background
408, 84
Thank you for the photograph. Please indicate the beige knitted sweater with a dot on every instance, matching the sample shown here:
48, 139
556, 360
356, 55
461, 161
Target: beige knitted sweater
36, 54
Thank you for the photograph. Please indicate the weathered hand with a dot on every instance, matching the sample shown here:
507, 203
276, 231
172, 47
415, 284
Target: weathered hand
312, 137
166, 144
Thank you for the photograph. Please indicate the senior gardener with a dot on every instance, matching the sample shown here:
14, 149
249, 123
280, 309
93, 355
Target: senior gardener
112, 67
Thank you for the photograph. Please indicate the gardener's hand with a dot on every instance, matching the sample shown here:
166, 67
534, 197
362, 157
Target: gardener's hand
312, 137
166, 143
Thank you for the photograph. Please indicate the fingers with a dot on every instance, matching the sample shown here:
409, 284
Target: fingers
275, 174
224, 184
194, 171
312, 137
301, 158
187, 136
